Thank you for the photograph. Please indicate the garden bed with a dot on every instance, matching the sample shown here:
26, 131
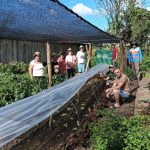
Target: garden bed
65, 123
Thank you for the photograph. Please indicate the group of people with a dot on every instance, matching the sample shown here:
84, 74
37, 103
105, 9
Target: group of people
64, 65
118, 83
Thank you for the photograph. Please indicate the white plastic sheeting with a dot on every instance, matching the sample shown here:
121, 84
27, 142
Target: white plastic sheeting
19, 117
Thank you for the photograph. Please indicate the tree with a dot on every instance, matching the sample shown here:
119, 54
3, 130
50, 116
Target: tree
127, 19
114, 10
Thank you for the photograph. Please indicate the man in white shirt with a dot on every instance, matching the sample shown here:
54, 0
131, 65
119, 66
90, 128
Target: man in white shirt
81, 59
70, 63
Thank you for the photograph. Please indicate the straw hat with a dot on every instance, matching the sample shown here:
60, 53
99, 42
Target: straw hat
81, 46
37, 54
69, 49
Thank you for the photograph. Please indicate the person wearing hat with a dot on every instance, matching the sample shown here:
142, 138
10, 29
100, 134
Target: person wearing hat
135, 59
70, 63
81, 59
114, 54
36, 68
110, 76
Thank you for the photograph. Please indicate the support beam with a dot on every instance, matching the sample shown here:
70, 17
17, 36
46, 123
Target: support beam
122, 56
49, 65
88, 50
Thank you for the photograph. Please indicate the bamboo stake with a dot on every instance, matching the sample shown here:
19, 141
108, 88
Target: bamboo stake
122, 56
49, 65
88, 50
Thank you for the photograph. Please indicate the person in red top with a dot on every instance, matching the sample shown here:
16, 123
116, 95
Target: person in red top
62, 65
114, 54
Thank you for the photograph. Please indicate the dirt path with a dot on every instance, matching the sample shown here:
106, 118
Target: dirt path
142, 101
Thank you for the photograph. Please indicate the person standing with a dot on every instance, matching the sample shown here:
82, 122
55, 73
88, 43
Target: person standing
62, 66
70, 63
114, 54
36, 68
81, 59
135, 59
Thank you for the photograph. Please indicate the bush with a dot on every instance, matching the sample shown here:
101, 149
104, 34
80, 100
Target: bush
129, 72
113, 132
14, 67
15, 87
145, 66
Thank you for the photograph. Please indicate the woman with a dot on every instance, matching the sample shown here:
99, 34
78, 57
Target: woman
36, 68
62, 66
70, 63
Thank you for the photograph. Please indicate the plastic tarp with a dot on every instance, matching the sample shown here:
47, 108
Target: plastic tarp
19, 117
47, 20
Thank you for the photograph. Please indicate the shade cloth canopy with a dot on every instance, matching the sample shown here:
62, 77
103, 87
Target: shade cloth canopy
47, 20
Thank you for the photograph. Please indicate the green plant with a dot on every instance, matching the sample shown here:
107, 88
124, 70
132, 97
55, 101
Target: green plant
129, 72
14, 67
114, 132
56, 79
145, 66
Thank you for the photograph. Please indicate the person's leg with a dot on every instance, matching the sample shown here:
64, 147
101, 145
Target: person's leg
113, 62
137, 67
79, 68
69, 73
83, 68
116, 96
72, 72
133, 68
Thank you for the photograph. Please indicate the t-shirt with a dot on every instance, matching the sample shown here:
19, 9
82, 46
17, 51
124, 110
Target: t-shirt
125, 80
62, 65
135, 55
70, 61
114, 53
38, 69
80, 57
111, 75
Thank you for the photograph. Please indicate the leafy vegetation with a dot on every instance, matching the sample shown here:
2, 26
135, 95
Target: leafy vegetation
15, 83
114, 132
15, 87
129, 72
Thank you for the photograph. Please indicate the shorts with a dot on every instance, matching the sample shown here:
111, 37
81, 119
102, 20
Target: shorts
81, 67
123, 94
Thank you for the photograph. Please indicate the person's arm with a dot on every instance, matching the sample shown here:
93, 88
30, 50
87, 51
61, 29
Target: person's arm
116, 54
31, 71
129, 57
140, 55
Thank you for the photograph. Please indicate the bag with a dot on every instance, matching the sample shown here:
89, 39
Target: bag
71, 65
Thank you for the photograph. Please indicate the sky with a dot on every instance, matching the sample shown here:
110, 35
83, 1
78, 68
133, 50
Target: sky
88, 9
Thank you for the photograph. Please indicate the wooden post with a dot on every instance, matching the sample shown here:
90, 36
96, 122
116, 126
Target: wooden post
88, 50
49, 65
122, 55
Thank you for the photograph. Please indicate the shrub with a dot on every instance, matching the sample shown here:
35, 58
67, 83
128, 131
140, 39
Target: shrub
15, 87
113, 132
129, 72
14, 67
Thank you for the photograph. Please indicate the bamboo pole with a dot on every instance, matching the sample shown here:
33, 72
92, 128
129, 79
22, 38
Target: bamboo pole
88, 50
122, 55
49, 65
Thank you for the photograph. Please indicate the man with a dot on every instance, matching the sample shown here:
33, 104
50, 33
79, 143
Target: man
114, 54
70, 63
120, 87
135, 59
81, 59
110, 76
